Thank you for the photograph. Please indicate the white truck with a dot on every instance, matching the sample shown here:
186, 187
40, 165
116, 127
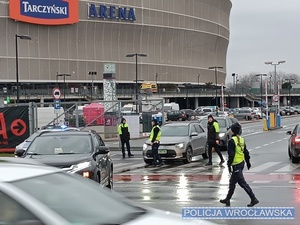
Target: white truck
171, 106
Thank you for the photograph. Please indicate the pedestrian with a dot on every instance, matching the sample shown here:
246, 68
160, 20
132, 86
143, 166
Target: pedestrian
237, 155
124, 134
155, 142
213, 140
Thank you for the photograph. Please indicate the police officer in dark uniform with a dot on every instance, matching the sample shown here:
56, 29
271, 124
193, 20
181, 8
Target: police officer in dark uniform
213, 140
237, 155
124, 134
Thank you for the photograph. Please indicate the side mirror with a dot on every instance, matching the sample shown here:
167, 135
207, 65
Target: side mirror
19, 152
289, 132
103, 150
194, 134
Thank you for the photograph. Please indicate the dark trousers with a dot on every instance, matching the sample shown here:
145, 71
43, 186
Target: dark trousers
156, 156
217, 149
238, 177
123, 142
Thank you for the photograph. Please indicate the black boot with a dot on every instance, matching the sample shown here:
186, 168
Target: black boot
225, 201
253, 202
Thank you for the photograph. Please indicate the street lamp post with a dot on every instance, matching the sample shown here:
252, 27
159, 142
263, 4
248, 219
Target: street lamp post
290, 86
216, 68
261, 93
92, 73
275, 64
63, 75
25, 37
156, 75
136, 73
235, 79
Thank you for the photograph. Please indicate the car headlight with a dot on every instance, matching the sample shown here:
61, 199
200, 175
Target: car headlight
221, 135
180, 145
81, 166
145, 146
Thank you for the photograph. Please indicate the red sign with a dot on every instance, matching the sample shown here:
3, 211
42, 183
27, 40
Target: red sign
18, 127
50, 12
56, 93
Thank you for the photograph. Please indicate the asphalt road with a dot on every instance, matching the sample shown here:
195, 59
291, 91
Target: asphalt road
273, 178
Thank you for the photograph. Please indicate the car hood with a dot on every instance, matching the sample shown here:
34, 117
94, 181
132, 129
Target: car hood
163, 217
171, 140
61, 161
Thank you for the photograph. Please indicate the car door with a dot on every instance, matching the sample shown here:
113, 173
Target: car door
294, 133
195, 141
202, 138
99, 159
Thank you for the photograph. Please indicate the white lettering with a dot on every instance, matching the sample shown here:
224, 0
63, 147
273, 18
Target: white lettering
44, 9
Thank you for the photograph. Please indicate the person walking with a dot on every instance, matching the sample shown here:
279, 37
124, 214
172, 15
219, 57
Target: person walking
237, 155
213, 140
124, 134
155, 142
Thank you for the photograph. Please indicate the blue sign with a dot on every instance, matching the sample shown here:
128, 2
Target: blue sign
57, 104
112, 12
238, 213
50, 9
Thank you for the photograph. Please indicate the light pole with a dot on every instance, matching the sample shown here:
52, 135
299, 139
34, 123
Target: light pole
235, 79
275, 64
136, 72
64, 75
290, 87
216, 68
199, 79
25, 37
156, 75
261, 93
92, 73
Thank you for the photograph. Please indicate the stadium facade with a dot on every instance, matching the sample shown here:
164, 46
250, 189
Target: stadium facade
181, 38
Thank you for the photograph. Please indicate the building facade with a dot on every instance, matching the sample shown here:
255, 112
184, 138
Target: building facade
180, 38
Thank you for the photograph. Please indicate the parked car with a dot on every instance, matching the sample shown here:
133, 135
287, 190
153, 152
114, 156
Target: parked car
288, 111
224, 125
244, 114
296, 111
294, 144
190, 114
81, 152
179, 141
40, 195
176, 115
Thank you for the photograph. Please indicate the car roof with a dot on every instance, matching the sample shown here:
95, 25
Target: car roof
66, 133
13, 169
183, 123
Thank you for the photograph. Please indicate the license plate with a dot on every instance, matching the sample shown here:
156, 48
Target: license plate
160, 151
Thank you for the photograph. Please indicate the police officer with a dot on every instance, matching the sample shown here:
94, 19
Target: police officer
124, 134
213, 140
155, 142
237, 155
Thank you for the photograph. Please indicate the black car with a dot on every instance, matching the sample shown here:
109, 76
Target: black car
176, 115
81, 152
294, 144
190, 114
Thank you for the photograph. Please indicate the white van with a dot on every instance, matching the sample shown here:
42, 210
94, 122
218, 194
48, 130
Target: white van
171, 106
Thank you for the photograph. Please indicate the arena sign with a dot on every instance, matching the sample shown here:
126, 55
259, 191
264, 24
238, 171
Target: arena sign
50, 12
111, 12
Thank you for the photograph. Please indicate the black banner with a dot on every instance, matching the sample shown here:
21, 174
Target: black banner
14, 127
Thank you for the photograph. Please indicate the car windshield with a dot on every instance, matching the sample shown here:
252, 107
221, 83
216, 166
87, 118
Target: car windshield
221, 122
170, 131
86, 204
63, 144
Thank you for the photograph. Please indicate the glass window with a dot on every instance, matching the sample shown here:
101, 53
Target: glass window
63, 144
170, 131
199, 129
11, 212
193, 129
79, 202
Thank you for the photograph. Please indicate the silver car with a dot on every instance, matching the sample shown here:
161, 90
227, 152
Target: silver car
179, 140
40, 195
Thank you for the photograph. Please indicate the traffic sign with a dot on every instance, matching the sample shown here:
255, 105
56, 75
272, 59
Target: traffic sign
56, 93
18, 127
275, 98
57, 104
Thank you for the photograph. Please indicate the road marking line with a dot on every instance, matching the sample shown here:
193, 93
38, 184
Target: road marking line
257, 147
286, 168
262, 181
265, 144
264, 166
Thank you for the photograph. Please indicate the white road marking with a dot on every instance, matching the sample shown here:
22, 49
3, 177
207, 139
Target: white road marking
264, 166
288, 168
262, 181
266, 144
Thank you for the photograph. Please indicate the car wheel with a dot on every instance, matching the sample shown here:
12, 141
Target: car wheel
111, 179
188, 155
294, 159
205, 154
192, 117
148, 161
180, 119
289, 153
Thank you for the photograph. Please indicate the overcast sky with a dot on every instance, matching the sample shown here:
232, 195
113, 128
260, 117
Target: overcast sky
264, 30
